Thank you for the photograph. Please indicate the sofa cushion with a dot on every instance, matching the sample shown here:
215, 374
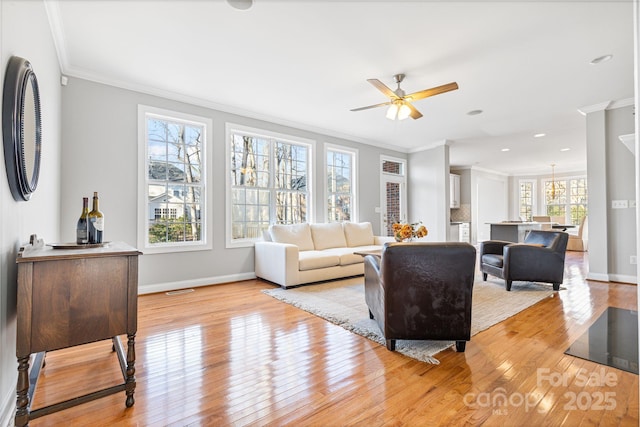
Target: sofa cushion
358, 234
346, 255
295, 234
327, 236
312, 260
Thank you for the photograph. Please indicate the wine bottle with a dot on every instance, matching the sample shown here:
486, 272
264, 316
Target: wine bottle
96, 222
82, 229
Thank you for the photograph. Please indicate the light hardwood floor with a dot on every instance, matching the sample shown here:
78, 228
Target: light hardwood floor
230, 355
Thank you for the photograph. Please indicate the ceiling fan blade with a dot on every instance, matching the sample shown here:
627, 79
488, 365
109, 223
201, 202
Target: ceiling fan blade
415, 114
383, 88
433, 91
372, 106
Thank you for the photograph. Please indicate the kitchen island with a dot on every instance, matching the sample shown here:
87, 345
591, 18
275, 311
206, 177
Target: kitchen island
512, 231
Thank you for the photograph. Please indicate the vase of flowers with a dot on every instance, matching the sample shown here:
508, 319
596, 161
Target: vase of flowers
405, 232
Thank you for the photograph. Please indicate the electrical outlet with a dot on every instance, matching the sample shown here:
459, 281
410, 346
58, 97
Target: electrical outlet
633, 259
619, 204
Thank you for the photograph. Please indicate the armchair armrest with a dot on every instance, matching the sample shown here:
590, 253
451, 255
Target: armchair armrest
277, 262
373, 287
528, 262
495, 247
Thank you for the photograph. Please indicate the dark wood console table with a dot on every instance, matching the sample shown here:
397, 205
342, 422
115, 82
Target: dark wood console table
68, 297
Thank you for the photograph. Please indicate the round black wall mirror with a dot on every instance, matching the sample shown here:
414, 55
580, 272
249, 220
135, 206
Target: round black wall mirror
21, 128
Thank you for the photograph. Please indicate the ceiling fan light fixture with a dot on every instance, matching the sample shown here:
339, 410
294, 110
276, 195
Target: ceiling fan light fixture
403, 112
392, 112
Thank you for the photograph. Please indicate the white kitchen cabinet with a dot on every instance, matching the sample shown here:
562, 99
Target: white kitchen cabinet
454, 191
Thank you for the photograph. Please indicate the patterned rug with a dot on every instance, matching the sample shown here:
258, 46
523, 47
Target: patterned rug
342, 302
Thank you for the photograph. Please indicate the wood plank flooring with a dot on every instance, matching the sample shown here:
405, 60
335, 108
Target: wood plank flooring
230, 355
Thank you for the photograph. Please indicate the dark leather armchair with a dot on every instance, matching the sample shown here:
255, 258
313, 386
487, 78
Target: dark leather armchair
421, 291
540, 258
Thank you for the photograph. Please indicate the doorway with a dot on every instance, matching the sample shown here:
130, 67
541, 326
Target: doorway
393, 194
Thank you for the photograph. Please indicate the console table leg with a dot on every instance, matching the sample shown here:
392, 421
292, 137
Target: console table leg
130, 383
22, 399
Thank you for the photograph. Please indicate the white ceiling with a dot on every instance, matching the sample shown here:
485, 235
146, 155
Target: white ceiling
305, 63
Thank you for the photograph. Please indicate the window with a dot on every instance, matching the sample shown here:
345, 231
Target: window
393, 193
269, 182
566, 198
526, 199
340, 179
173, 149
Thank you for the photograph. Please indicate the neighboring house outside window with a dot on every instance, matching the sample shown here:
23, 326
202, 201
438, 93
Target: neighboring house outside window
566, 197
269, 182
173, 181
341, 184
526, 199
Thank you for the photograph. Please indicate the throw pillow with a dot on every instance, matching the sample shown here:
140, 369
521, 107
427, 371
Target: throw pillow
358, 234
295, 234
327, 236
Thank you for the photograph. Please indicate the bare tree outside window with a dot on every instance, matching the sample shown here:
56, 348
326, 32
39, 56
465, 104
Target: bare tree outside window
174, 180
269, 184
339, 185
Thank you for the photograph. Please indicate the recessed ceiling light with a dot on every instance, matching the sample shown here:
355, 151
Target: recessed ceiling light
601, 59
539, 135
565, 149
474, 112
240, 4
506, 149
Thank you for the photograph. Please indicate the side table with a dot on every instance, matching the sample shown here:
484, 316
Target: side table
68, 297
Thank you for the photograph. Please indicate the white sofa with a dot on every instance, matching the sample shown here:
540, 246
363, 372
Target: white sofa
292, 255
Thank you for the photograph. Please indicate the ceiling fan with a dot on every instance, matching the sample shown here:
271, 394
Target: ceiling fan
400, 106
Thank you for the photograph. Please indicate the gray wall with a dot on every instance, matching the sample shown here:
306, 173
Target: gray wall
621, 223
610, 174
100, 154
25, 32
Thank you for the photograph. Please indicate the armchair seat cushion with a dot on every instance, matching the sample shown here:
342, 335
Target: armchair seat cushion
493, 259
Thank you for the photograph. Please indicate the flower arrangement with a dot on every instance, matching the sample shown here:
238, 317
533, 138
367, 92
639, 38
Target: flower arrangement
407, 231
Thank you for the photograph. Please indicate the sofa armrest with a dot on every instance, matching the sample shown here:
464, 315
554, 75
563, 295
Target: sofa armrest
277, 262
381, 240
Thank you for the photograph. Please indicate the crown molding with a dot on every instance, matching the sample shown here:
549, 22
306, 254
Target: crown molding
593, 108
441, 143
608, 105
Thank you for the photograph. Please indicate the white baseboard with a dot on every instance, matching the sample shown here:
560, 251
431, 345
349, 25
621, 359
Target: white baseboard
184, 284
598, 276
8, 409
624, 278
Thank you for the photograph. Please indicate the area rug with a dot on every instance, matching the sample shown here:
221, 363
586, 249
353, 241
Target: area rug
342, 302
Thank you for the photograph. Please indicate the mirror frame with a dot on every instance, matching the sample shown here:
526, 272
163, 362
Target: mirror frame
18, 78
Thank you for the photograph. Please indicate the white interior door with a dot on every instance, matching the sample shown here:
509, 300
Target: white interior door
492, 206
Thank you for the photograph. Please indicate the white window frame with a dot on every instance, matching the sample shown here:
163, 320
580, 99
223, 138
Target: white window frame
231, 128
534, 196
567, 204
144, 112
353, 152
